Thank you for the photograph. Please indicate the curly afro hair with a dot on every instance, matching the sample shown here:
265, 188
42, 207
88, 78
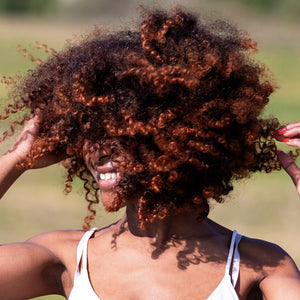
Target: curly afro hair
176, 105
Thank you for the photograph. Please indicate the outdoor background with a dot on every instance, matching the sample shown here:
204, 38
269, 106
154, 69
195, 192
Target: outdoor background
266, 206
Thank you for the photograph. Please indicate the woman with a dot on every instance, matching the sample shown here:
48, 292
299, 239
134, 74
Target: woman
162, 120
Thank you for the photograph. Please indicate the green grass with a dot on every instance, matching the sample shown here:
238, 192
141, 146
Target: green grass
265, 206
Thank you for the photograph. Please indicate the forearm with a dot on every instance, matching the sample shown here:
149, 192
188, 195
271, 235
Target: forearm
9, 172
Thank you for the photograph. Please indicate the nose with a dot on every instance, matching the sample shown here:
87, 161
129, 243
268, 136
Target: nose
103, 160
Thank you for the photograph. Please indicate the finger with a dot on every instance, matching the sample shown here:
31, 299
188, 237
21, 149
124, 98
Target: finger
290, 167
287, 127
293, 132
294, 142
289, 134
32, 124
27, 135
292, 125
290, 130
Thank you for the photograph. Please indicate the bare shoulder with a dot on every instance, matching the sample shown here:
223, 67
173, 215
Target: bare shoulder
278, 274
63, 241
58, 242
264, 255
62, 244
62, 247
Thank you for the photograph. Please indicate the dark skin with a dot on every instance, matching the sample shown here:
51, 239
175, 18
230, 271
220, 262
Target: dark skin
160, 261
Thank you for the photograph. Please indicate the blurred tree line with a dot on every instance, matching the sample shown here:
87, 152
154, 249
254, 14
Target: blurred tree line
260, 4
86, 8
291, 7
17, 7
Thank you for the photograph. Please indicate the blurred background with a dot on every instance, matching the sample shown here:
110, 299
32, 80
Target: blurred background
265, 206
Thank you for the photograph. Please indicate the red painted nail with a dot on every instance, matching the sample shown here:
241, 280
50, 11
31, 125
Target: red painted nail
280, 130
283, 132
286, 140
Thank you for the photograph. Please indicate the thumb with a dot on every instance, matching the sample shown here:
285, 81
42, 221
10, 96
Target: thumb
290, 167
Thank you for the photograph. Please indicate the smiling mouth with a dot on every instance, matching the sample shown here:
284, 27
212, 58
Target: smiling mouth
108, 180
108, 175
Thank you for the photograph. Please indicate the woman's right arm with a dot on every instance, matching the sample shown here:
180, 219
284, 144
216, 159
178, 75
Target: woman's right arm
28, 269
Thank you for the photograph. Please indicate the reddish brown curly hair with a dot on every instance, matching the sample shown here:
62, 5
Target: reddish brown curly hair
176, 105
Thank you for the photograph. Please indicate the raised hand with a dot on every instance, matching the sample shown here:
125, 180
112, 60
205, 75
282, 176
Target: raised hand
18, 153
22, 146
289, 134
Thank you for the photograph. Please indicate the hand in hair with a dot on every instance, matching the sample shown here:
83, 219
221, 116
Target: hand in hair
12, 162
289, 134
25, 142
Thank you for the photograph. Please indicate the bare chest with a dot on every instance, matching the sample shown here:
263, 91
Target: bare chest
130, 270
135, 276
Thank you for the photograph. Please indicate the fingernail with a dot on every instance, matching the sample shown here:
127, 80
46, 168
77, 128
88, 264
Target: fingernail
286, 140
280, 130
283, 132
278, 152
278, 135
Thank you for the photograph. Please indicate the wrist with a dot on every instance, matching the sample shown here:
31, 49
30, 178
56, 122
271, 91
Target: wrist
9, 171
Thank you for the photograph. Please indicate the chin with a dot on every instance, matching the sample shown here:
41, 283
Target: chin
109, 202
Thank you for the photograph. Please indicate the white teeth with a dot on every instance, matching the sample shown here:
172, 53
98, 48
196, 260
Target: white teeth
108, 176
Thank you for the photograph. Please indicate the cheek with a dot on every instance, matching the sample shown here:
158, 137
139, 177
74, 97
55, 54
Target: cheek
93, 174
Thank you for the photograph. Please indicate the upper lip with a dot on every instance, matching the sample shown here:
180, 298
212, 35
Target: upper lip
106, 168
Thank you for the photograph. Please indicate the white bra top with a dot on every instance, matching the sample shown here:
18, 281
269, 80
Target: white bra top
83, 289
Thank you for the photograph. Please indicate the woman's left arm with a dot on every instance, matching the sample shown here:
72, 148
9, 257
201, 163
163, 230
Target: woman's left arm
283, 282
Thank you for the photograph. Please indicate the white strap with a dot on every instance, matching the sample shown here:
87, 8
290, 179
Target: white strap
233, 258
230, 254
81, 254
236, 261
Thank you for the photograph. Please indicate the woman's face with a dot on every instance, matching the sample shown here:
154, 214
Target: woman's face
105, 173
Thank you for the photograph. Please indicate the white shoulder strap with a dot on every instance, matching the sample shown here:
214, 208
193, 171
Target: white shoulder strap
233, 260
81, 255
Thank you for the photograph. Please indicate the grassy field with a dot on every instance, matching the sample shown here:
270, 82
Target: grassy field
266, 206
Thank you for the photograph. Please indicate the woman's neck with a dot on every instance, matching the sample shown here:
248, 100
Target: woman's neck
181, 226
